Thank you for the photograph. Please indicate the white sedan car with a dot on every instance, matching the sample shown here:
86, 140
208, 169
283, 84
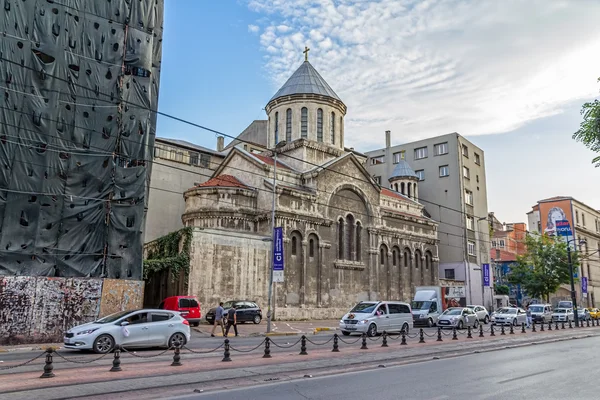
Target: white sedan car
482, 313
130, 329
509, 316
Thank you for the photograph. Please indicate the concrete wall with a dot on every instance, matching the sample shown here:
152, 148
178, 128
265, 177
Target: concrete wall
40, 309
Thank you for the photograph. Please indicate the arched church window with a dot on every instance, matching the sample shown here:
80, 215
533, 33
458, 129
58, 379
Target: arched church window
402, 190
311, 248
288, 125
350, 238
320, 125
304, 122
341, 239
408, 190
358, 239
294, 246
382, 256
332, 128
406, 255
394, 258
276, 127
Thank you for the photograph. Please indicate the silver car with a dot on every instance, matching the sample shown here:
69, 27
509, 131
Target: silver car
482, 313
563, 315
583, 314
459, 318
130, 329
509, 316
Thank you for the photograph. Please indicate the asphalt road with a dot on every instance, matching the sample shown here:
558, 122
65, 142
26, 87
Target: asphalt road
562, 370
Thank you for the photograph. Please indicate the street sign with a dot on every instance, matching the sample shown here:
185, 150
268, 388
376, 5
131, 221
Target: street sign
486, 274
563, 228
278, 255
584, 283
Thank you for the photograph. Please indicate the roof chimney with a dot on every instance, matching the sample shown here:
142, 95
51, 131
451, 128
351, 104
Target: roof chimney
220, 143
388, 139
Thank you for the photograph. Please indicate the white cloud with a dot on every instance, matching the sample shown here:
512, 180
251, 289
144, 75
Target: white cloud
423, 68
253, 28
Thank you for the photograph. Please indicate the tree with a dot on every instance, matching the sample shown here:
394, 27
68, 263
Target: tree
589, 129
502, 290
544, 267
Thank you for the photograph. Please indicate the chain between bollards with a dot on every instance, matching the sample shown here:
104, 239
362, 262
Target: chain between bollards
48, 367
364, 342
439, 334
177, 355
336, 347
384, 341
303, 346
116, 365
226, 353
454, 337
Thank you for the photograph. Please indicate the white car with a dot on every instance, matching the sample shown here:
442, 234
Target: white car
482, 313
563, 315
130, 329
509, 316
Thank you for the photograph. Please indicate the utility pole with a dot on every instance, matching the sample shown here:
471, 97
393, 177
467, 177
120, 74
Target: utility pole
573, 296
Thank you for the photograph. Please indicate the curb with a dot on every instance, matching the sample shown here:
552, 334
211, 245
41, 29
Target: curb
34, 348
323, 330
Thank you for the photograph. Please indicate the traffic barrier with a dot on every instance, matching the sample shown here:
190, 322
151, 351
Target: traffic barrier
48, 367
421, 336
364, 342
556, 325
403, 341
384, 341
492, 331
469, 336
439, 334
454, 337
177, 356
512, 331
303, 346
481, 331
542, 326
336, 347
502, 332
116, 364
226, 353
267, 353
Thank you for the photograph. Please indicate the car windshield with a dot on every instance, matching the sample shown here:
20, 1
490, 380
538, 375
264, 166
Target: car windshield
507, 311
453, 311
560, 311
112, 317
536, 308
366, 308
227, 304
421, 305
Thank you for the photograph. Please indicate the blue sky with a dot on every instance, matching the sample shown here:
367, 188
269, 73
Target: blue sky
510, 76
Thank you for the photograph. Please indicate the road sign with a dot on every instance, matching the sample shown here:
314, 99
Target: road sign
278, 264
563, 228
584, 283
486, 274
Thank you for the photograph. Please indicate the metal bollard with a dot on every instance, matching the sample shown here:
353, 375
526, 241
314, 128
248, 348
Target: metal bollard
267, 348
502, 333
116, 366
512, 331
336, 347
588, 323
523, 328
384, 342
469, 336
533, 328
570, 325
421, 336
550, 325
48, 367
226, 353
454, 337
563, 325
177, 356
480, 330
492, 331
303, 346
364, 342
403, 341
439, 337
556, 325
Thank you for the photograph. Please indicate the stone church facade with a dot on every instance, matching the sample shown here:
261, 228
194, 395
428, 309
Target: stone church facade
346, 238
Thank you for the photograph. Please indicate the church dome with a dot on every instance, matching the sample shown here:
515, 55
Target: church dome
306, 80
403, 170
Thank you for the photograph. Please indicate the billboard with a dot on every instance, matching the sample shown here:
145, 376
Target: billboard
552, 212
453, 296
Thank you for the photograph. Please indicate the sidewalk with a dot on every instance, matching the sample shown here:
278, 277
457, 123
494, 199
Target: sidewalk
278, 328
252, 367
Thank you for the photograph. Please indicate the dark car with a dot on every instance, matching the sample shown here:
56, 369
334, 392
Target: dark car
246, 311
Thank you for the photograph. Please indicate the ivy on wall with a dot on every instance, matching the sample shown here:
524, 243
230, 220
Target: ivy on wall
164, 254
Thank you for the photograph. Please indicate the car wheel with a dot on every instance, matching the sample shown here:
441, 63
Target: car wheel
430, 323
372, 331
460, 325
476, 324
256, 319
345, 333
104, 344
486, 320
405, 328
177, 338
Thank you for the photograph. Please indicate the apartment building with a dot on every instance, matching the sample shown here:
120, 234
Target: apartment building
452, 187
585, 225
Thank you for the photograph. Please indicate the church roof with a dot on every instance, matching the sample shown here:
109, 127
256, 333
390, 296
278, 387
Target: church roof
306, 80
270, 161
224, 181
391, 193
403, 170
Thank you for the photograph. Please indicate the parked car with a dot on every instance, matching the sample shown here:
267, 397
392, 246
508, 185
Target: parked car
594, 313
541, 313
509, 315
374, 317
246, 311
459, 318
563, 315
130, 329
188, 306
482, 313
583, 314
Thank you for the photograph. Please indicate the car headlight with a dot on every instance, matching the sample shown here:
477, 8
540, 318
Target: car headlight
87, 332
341, 321
364, 321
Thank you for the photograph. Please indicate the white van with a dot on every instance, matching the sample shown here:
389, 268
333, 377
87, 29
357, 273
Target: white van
541, 313
374, 317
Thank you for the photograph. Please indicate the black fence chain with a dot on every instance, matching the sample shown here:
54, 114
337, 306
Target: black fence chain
22, 364
408, 335
287, 347
397, 336
81, 361
247, 351
428, 335
151, 356
376, 339
354, 342
319, 344
203, 352
446, 333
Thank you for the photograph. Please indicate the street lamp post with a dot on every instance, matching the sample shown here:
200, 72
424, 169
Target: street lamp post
269, 301
482, 269
573, 294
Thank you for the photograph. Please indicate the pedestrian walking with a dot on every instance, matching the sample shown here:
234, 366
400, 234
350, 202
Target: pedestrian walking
528, 312
231, 320
219, 314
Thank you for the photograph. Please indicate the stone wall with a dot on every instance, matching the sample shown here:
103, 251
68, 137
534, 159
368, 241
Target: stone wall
40, 309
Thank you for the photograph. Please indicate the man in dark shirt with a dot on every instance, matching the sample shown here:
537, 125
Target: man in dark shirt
231, 320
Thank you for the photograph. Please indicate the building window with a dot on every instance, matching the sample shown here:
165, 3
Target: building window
377, 160
294, 246
465, 151
319, 125
194, 158
350, 237
477, 159
470, 223
341, 239
471, 248
420, 174
502, 243
311, 248
444, 171
440, 149
469, 197
493, 243
377, 179
582, 218
466, 173
398, 156
204, 160
276, 127
449, 273
420, 153
332, 128
576, 216
358, 243
288, 125
304, 122
179, 156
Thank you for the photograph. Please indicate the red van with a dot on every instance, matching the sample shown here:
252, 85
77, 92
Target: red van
188, 306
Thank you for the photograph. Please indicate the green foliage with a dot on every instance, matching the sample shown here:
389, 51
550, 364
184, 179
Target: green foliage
501, 290
164, 253
589, 129
544, 267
